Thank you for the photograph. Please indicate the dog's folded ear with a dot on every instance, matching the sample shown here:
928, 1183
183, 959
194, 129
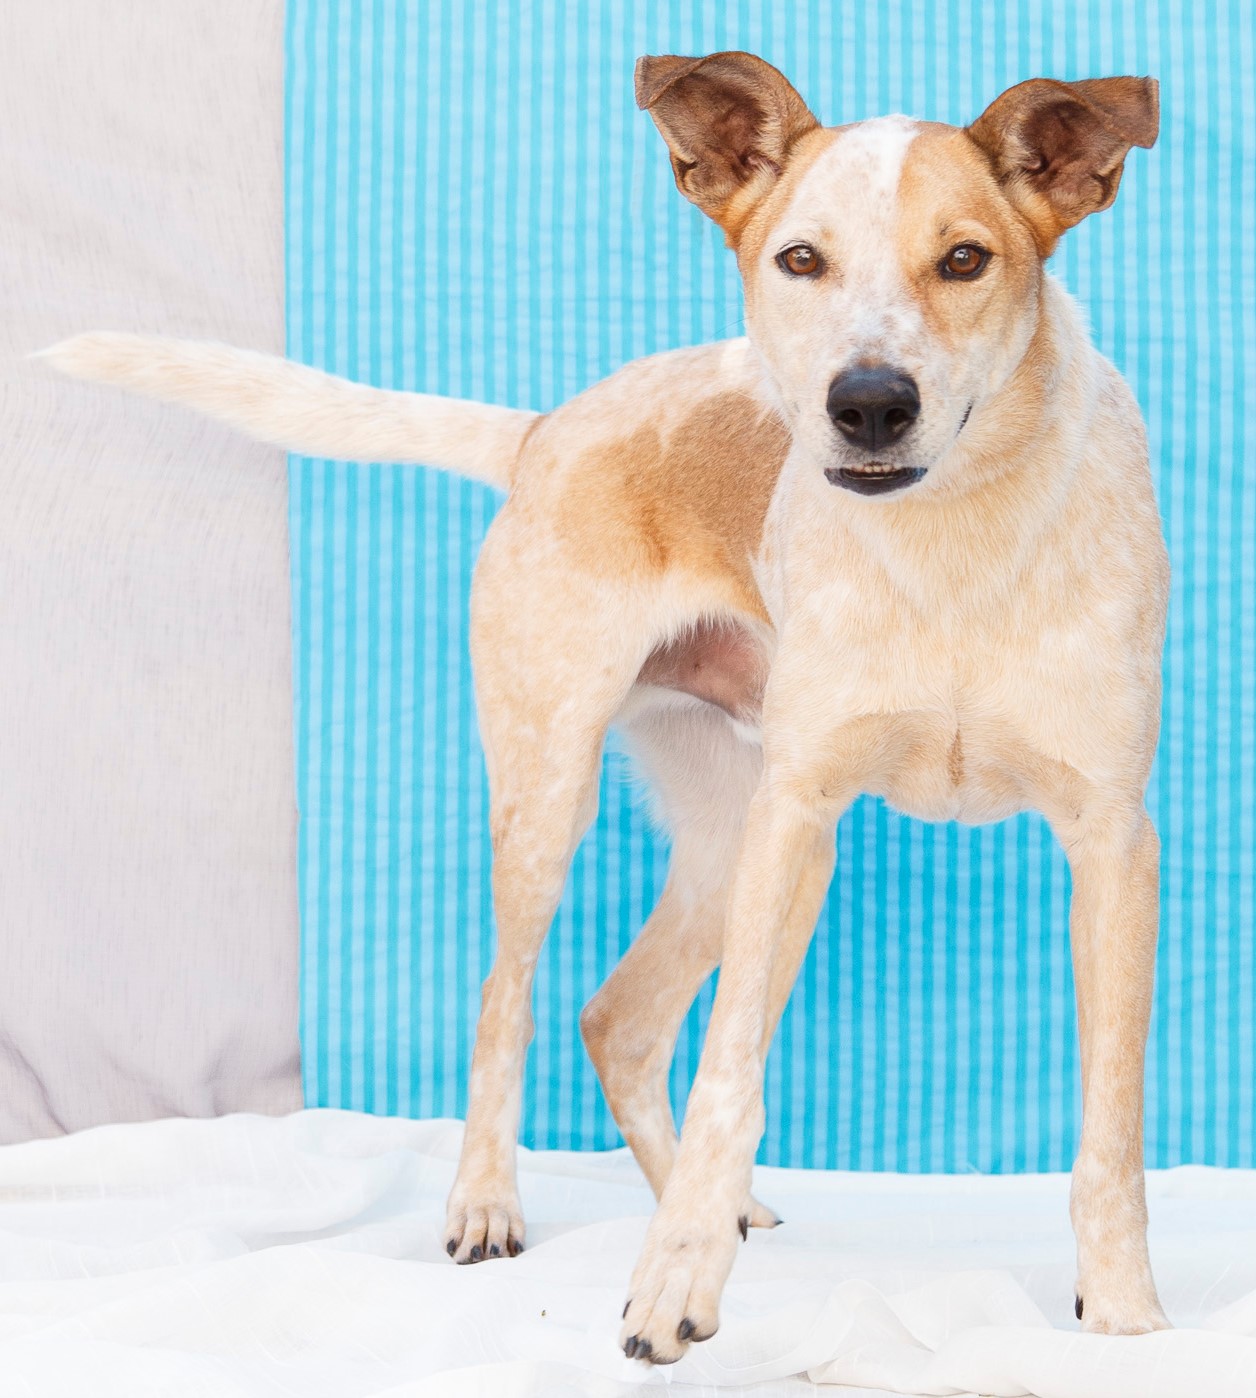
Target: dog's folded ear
729, 121
1058, 148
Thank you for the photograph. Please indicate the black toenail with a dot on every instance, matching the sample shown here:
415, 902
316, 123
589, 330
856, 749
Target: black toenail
514, 1247
477, 1253
1077, 1307
684, 1329
627, 1303
778, 1223
451, 1246
630, 1347
495, 1251
744, 1224
644, 1349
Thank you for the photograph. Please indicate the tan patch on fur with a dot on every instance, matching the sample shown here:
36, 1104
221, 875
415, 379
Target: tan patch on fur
691, 498
948, 195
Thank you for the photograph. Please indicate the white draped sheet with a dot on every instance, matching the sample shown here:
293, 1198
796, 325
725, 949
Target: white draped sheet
302, 1256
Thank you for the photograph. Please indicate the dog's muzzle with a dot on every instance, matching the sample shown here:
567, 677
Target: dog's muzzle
873, 406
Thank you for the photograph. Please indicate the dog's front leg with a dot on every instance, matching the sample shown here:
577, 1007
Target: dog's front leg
1115, 917
689, 1249
781, 880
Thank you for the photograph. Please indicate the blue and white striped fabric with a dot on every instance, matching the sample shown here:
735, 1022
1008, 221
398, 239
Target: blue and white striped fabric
475, 207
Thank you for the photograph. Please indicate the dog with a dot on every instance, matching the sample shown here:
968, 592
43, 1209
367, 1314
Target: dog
902, 539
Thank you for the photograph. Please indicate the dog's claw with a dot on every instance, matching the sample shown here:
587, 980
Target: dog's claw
1077, 1307
743, 1224
451, 1246
757, 1215
638, 1347
684, 1330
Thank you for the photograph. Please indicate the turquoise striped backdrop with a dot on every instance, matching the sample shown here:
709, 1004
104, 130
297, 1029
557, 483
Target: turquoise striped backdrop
475, 207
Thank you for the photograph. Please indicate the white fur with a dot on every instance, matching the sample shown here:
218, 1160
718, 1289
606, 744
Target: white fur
302, 409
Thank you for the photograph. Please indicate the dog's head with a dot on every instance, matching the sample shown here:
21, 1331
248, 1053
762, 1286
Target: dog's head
892, 268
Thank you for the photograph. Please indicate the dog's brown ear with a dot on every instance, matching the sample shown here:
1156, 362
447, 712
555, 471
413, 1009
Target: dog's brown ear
729, 121
1058, 148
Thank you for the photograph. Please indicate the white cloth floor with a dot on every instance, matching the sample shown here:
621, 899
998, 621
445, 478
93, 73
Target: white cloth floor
302, 1256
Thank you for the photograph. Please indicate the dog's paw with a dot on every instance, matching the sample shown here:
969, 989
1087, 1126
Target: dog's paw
486, 1228
1115, 1306
675, 1294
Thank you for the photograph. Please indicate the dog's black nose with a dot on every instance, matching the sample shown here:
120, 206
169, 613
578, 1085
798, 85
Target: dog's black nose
873, 405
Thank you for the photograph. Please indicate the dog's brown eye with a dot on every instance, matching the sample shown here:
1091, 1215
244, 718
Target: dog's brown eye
964, 261
799, 261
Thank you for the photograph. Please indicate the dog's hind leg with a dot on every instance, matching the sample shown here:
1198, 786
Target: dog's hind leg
630, 1025
702, 775
551, 670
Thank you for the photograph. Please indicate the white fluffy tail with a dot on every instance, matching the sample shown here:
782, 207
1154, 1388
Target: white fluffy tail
301, 409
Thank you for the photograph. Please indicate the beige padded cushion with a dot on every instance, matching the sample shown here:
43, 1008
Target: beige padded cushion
148, 922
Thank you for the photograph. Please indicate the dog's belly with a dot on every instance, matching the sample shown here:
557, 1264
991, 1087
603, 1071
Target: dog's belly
719, 662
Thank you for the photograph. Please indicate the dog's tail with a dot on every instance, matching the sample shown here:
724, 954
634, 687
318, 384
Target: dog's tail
301, 409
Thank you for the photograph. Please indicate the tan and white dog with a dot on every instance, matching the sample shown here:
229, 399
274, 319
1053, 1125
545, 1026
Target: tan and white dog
900, 540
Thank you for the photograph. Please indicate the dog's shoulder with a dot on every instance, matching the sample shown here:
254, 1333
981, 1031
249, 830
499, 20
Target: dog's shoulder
668, 464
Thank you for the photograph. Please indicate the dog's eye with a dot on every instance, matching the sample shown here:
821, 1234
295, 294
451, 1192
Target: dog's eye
801, 260
964, 262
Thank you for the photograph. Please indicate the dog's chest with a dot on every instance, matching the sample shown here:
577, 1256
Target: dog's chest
974, 721
997, 670
957, 769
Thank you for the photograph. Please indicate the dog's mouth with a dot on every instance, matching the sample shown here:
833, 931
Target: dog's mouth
874, 477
